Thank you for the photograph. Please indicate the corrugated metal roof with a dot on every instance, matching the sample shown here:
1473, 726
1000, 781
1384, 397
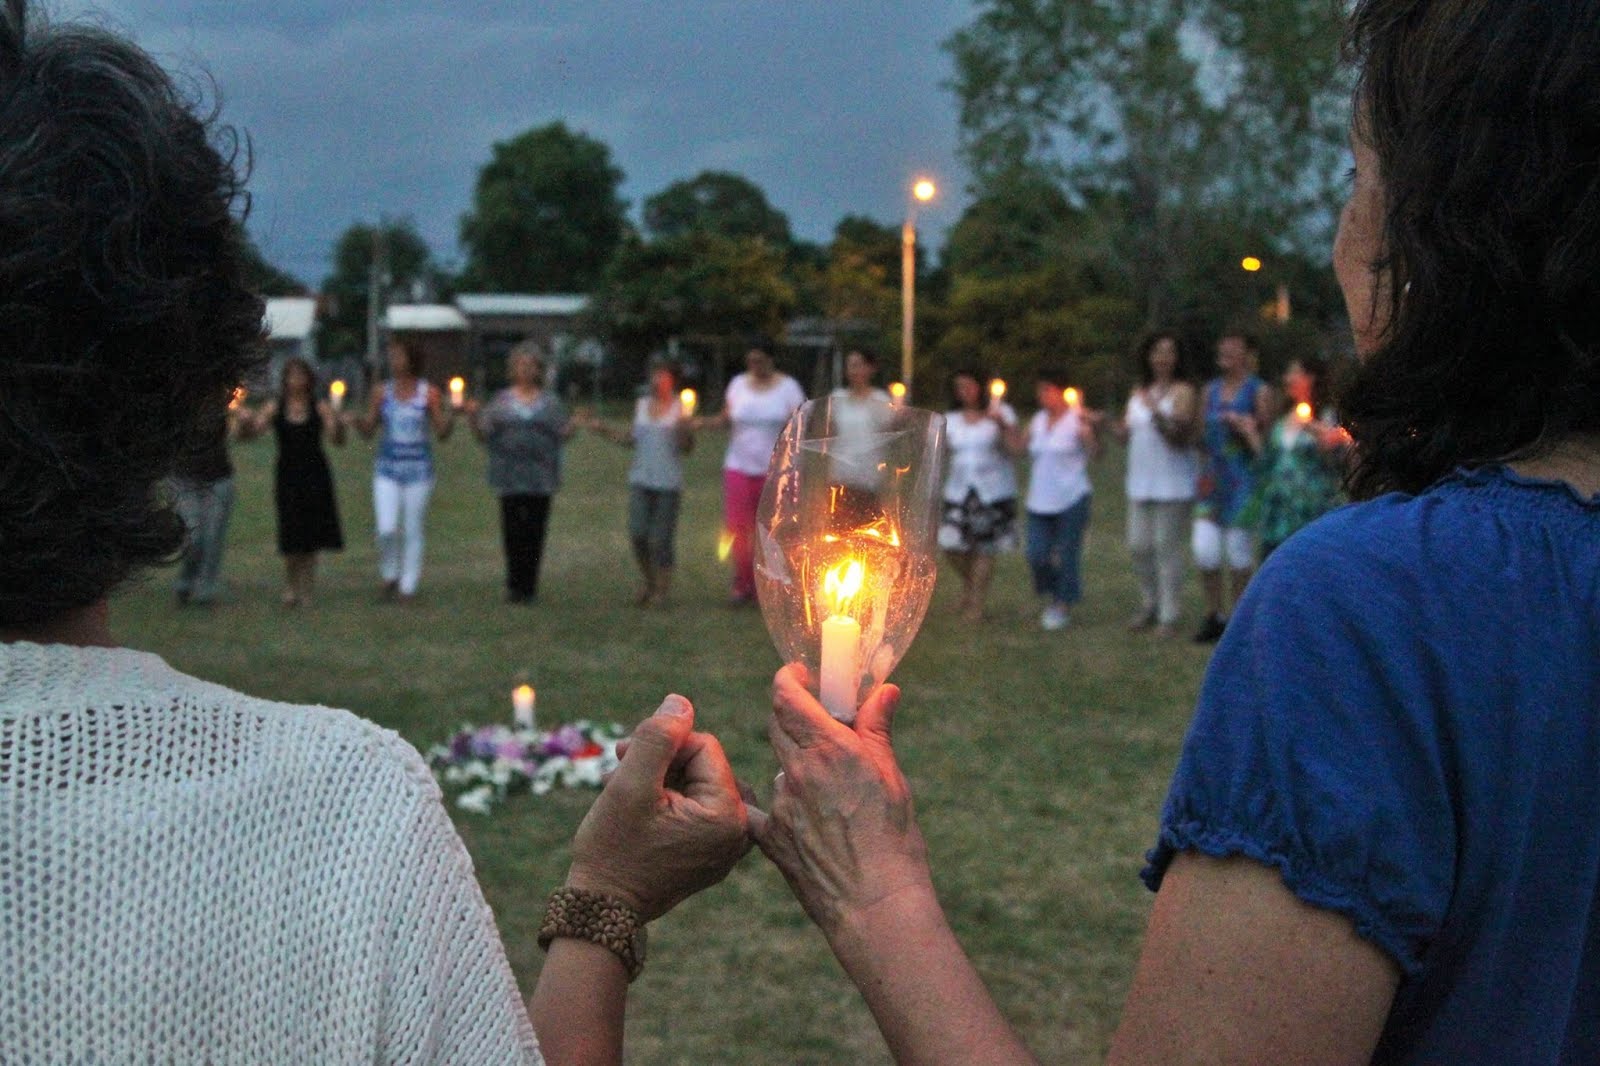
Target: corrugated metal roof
424, 318
290, 318
530, 304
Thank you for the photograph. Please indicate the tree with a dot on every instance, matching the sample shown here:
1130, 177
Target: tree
695, 285
408, 271
1022, 222
716, 202
546, 216
1151, 113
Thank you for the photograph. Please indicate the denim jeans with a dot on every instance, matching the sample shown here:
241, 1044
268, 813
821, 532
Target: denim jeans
204, 507
1055, 550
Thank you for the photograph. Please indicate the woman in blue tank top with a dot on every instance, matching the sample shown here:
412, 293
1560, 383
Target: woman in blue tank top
410, 413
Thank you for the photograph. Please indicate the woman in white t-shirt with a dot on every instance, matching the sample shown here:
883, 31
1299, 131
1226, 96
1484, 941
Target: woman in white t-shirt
756, 407
1163, 469
860, 413
1061, 441
980, 489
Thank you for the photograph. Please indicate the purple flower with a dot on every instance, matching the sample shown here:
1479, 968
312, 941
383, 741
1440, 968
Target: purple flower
566, 741
509, 748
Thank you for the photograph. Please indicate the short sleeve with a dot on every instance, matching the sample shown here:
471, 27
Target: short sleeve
449, 994
1317, 746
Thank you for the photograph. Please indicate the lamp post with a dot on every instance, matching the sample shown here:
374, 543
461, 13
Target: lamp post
922, 191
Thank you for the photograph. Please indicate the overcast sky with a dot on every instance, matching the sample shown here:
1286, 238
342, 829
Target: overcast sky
357, 110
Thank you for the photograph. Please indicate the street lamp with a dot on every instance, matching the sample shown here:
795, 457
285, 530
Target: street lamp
922, 190
1281, 310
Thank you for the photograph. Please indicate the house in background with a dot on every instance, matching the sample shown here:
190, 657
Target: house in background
499, 321
291, 324
440, 331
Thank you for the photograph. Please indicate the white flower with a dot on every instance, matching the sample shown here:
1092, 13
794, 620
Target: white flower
454, 775
478, 800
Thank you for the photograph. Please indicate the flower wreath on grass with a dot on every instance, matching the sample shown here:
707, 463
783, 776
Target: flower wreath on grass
489, 763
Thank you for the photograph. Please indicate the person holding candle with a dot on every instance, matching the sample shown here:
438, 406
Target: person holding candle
1062, 441
203, 495
757, 405
303, 497
1301, 458
1379, 844
523, 428
661, 434
1237, 404
194, 874
410, 413
980, 488
861, 412
1162, 472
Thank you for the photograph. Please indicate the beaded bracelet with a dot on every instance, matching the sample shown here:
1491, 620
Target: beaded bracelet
599, 919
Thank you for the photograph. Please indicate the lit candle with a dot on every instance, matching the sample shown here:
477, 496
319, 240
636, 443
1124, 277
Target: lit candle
458, 392
1303, 412
336, 394
841, 641
238, 398
689, 401
522, 700
1072, 396
897, 392
997, 393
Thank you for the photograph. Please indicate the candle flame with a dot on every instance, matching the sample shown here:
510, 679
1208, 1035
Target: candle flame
1303, 412
523, 692
1072, 396
458, 386
688, 399
337, 389
724, 546
997, 389
238, 398
843, 583
897, 390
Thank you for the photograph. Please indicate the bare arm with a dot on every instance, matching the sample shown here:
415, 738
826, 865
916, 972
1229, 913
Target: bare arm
251, 424
1178, 428
1013, 435
440, 414
367, 423
332, 424
1089, 438
1237, 969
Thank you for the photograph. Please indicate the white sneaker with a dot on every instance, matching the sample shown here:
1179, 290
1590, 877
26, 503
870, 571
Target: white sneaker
1054, 617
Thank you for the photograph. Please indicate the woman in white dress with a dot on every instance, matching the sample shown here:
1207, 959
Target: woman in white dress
192, 874
980, 488
1163, 469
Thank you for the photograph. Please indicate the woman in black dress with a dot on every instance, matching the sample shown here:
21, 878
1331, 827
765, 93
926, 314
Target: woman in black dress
308, 514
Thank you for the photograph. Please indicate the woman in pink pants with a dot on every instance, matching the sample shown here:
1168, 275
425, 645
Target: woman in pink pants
756, 407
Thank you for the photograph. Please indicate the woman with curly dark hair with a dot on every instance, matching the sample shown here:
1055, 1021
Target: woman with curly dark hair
191, 874
1381, 843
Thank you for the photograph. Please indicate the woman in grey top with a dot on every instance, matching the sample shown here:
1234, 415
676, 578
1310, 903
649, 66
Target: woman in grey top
660, 436
523, 427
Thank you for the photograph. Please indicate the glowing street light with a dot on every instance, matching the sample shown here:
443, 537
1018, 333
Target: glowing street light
922, 191
1251, 265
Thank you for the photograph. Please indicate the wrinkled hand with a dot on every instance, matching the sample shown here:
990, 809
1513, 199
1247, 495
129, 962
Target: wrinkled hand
669, 822
841, 828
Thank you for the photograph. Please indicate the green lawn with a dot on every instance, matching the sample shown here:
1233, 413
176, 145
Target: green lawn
1038, 760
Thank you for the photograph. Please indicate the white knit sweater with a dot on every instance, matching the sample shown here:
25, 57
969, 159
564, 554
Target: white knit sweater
190, 875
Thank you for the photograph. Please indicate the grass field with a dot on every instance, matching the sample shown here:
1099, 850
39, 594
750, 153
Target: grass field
1039, 761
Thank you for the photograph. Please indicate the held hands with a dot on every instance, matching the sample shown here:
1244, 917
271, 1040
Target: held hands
670, 821
841, 827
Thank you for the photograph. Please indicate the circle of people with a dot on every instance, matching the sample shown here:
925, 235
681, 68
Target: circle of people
1217, 471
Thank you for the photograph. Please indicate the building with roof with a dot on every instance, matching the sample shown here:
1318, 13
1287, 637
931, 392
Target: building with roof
291, 327
440, 331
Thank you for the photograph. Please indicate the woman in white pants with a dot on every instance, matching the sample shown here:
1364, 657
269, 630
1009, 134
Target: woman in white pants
1163, 468
411, 413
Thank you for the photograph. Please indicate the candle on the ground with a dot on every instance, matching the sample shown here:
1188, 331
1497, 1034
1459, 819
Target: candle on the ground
897, 392
689, 401
458, 392
841, 641
997, 393
1303, 413
522, 701
1072, 396
336, 394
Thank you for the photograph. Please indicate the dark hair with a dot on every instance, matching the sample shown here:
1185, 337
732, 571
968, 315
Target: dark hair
1252, 342
123, 304
761, 342
1321, 384
867, 355
416, 357
1485, 119
1147, 344
291, 363
1052, 375
981, 377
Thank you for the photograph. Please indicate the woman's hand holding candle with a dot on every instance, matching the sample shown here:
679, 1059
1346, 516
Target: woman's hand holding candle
688, 400
458, 392
997, 395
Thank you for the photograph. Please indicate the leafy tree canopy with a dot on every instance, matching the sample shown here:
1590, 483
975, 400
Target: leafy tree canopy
715, 202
